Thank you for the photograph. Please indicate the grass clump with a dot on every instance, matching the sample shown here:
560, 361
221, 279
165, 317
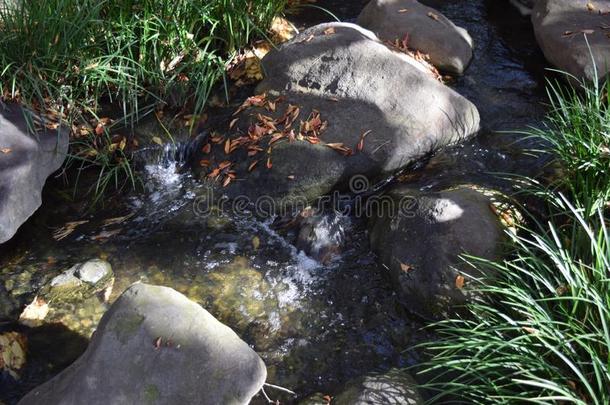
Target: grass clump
541, 331
70, 58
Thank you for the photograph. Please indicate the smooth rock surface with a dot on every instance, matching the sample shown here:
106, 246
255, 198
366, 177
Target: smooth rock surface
26, 160
396, 387
572, 36
421, 243
155, 346
423, 28
358, 85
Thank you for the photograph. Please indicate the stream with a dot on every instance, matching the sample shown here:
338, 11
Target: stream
315, 325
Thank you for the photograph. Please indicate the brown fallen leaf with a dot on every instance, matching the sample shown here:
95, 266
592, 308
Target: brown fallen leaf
360, 145
329, 31
106, 234
269, 163
588, 32
590, 6
206, 148
568, 33
157, 343
290, 177
309, 38
226, 181
228, 146
233, 122
433, 16
117, 220
407, 268
459, 282
403, 10
67, 229
252, 165
6, 150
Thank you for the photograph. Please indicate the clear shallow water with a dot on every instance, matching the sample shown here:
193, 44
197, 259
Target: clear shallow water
316, 326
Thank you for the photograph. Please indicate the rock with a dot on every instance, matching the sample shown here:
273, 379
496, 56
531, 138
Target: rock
341, 83
424, 29
79, 282
420, 242
561, 27
154, 346
321, 235
394, 387
13, 348
26, 160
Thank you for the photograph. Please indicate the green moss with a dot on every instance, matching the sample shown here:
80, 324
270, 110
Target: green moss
127, 325
151, 394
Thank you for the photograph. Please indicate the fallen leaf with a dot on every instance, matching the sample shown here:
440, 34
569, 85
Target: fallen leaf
206, 148
6, 150
256, 242
106, 234
233, 122
204, 163
228, 146
329, 31
403, 10
117, 220
433, 16
157, 343
157, 140
226, 181
459, 282
269, 163
252, 165
587, 32
590, 6
406, 267
66, 230
290, 177
360, 145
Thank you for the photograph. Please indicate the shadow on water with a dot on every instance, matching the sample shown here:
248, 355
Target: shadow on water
316, 326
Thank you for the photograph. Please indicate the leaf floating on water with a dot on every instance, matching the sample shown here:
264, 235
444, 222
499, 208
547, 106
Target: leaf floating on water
67, 229
117, 220
459, 282
106, 234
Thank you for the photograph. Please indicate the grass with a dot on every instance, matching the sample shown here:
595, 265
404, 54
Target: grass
541, 331
72, 57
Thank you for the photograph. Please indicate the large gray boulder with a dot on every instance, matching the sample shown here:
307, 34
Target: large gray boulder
359, 87
155, 346
421, 238
27, 158
573, 35
423, 28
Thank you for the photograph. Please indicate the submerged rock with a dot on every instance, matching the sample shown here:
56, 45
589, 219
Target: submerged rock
13, 348
27, 158
572, 36
154, 346
394, 387
80, 282
423, 29
420, 243
337, 103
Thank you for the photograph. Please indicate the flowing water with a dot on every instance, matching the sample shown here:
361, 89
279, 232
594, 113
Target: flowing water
315, 325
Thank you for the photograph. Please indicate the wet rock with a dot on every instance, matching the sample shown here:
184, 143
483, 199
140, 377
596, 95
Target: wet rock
336, 81
571, 35
322, 235
80, 282
13, 347
394, 387
420, 240
155, 346
26, 160
424, 29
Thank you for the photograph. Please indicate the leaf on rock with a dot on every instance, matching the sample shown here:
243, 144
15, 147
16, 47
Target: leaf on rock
6, 150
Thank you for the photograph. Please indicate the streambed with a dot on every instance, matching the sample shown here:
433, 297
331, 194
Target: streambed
315, 325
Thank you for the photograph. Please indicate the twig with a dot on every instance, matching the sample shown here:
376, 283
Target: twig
281, 389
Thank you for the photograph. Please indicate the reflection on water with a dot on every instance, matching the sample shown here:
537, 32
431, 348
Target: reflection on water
315, 325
